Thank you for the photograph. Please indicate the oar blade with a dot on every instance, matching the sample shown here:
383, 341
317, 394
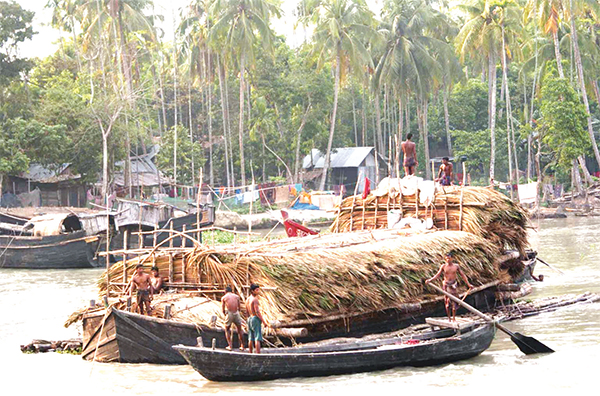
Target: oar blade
529, 345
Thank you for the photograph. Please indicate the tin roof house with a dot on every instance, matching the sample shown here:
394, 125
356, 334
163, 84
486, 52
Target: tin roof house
348, 166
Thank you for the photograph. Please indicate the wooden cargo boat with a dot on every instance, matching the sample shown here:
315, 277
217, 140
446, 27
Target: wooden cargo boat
432, 348
47, 242
50, 252
125, 337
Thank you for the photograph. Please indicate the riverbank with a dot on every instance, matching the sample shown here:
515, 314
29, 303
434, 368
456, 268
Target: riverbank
269, 219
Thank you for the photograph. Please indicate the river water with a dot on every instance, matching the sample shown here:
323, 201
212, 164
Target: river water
35, 304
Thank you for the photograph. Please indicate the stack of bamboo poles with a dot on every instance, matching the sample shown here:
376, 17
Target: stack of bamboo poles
321, 276
480, 211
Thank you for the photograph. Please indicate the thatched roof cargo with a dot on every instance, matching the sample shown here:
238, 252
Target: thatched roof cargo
485, 212
319, 276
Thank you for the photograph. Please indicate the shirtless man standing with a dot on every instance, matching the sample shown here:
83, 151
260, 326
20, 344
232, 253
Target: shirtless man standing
450, 284
255, 319
445, 173
231, 309
141, 282
410, 155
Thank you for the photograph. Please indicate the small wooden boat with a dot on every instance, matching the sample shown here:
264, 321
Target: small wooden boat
432, 348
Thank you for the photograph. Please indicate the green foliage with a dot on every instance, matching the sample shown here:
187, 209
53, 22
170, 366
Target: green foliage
563, 121
15, 28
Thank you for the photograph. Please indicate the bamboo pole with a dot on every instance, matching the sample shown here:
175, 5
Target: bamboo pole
198, 202
462, 193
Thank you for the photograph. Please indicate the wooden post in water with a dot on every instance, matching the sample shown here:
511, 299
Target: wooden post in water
171, 234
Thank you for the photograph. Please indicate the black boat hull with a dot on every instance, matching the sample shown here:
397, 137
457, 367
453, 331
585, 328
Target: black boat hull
48, 252
219, 365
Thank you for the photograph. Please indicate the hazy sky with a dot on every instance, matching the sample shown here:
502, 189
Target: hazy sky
44, 43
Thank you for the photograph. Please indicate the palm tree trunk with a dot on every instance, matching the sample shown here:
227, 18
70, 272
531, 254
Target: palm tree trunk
336, 90
241, 124
229, 133
364, 114
379, 141
581, 78
447, 118
225, 121
492, 107
426, 138
354, 120
557, 54
209, 76
175, 121
298, 140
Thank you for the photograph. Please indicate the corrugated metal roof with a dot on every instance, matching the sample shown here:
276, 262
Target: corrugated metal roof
41, 174
345, 157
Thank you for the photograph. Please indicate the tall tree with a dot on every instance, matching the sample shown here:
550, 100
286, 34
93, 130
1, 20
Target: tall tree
481, 36
341, 28
241, 24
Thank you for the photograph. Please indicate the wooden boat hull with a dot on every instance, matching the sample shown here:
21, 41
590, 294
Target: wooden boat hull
126, 337
132, 338
219, 365
48, 252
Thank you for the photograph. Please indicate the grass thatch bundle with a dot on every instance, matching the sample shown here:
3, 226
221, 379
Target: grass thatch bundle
485, 212
327, 275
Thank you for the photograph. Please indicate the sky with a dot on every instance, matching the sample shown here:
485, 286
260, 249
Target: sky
44, 43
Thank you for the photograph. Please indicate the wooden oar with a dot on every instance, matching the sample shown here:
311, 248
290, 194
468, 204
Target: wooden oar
527, 345
549, 266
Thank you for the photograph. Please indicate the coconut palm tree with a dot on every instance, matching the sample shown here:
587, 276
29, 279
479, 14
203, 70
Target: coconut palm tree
239, 25
417, 58
342, 28
481, 35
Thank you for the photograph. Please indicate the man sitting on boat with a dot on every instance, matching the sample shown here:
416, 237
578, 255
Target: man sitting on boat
156, 280
141, 282
255, 319
450, 270
231, 309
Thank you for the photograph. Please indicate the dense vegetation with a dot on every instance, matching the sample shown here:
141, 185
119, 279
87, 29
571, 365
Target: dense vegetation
512, 85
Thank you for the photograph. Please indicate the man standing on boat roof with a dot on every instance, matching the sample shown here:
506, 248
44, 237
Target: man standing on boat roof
231, 309
410, 155
142, 284
255, 319
450, 270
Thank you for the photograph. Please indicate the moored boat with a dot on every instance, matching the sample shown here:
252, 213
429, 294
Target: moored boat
126, 337
432, 348
48, 242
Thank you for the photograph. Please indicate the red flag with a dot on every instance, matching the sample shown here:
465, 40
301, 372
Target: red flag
367, 188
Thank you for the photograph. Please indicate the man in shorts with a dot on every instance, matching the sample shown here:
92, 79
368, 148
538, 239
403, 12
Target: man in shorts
141, 282
255, 319
450, 270
409, 149
231, 309
445, 174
